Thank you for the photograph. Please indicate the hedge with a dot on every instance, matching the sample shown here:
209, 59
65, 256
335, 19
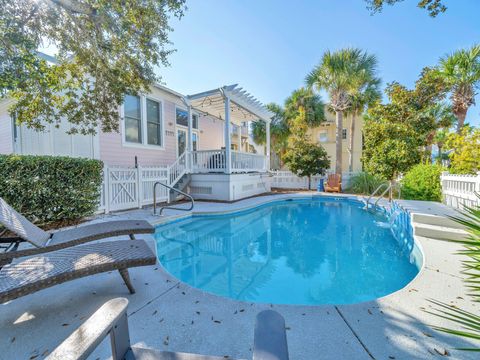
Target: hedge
50, 188
422, 182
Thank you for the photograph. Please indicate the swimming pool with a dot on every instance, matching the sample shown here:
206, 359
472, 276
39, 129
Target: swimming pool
302, 251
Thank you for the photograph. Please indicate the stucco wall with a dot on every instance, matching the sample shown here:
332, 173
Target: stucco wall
329, 145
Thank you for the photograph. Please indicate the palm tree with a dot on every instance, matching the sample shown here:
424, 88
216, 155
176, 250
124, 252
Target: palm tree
461, 73
442, 116
440, 138
367, 95
278, 133
340, 73
311, 103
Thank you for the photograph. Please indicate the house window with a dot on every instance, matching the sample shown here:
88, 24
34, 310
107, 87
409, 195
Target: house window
133, 119
154, 125
182, 118
323, 136
344, 134
195, 121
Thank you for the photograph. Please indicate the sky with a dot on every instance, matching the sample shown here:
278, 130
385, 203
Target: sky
268, 46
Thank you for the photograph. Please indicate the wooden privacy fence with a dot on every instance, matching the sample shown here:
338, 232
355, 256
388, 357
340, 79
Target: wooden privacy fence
459, 190
288, 180
131, 187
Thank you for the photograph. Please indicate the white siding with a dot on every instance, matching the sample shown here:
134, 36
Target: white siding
6, 133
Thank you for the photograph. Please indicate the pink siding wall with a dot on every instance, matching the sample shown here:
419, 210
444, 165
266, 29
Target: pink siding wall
211, 133
6, 141
114, 152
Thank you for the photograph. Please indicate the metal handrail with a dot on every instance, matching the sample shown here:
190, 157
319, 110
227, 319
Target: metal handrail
376, 190
381, 196
389, 187
169, 207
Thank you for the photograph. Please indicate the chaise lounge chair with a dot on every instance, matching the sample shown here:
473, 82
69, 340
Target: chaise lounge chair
55, 259
270, 340
43, 241
334, 183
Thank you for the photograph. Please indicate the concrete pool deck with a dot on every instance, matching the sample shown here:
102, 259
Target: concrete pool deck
167, 314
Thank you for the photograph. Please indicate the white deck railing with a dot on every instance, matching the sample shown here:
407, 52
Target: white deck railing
208, 161
459, 190
247, 162
177, 169
213, 161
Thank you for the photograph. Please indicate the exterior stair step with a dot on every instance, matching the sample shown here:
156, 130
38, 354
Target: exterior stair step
438, 232
436, 220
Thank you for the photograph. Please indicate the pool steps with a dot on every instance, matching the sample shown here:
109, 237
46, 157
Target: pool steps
437, 227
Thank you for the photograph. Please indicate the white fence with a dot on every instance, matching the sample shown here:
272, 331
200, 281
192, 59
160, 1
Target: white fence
459, 190
129, 187
288, 180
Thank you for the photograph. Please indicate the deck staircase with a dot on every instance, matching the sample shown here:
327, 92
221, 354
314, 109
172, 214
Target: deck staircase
179, 176
437, 227
181, 184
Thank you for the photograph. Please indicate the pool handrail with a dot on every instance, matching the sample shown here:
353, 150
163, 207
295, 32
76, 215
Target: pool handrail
192, 202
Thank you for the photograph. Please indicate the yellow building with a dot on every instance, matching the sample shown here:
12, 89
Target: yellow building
325, 136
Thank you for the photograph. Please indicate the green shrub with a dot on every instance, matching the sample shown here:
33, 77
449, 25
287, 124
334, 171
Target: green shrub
422, 182
364, 183
50, 188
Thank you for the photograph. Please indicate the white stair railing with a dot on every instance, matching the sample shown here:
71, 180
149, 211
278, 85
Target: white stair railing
178, 169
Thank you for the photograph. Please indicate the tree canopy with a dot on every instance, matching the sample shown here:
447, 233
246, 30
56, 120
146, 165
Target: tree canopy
434, 7
344, 74
459, 74
105, 49
465, 154
302, 156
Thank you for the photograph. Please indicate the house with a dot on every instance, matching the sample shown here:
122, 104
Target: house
325, 136
202, 140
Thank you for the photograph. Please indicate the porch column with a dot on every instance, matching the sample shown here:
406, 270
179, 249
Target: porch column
189, 137
267, 153
228, 140
239, 134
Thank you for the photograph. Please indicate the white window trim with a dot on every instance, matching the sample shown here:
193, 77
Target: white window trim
184, 128
193, 113
143, 114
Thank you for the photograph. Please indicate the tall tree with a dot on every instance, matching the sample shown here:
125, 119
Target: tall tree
460, 71
105, 49
279, 132
434, 7
309, 101
366, 93
302, 156
337, 73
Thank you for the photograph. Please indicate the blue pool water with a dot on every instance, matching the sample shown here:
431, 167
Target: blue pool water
321, 251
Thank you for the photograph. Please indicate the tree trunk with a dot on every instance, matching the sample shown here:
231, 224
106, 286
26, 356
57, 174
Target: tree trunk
350, 141
338, 142
460, 114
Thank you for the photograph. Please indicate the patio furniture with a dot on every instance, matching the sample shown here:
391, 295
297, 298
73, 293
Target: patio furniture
334, 183
270, 341
34, 273
43, 241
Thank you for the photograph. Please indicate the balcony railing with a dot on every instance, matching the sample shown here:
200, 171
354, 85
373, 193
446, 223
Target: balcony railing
213, 161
